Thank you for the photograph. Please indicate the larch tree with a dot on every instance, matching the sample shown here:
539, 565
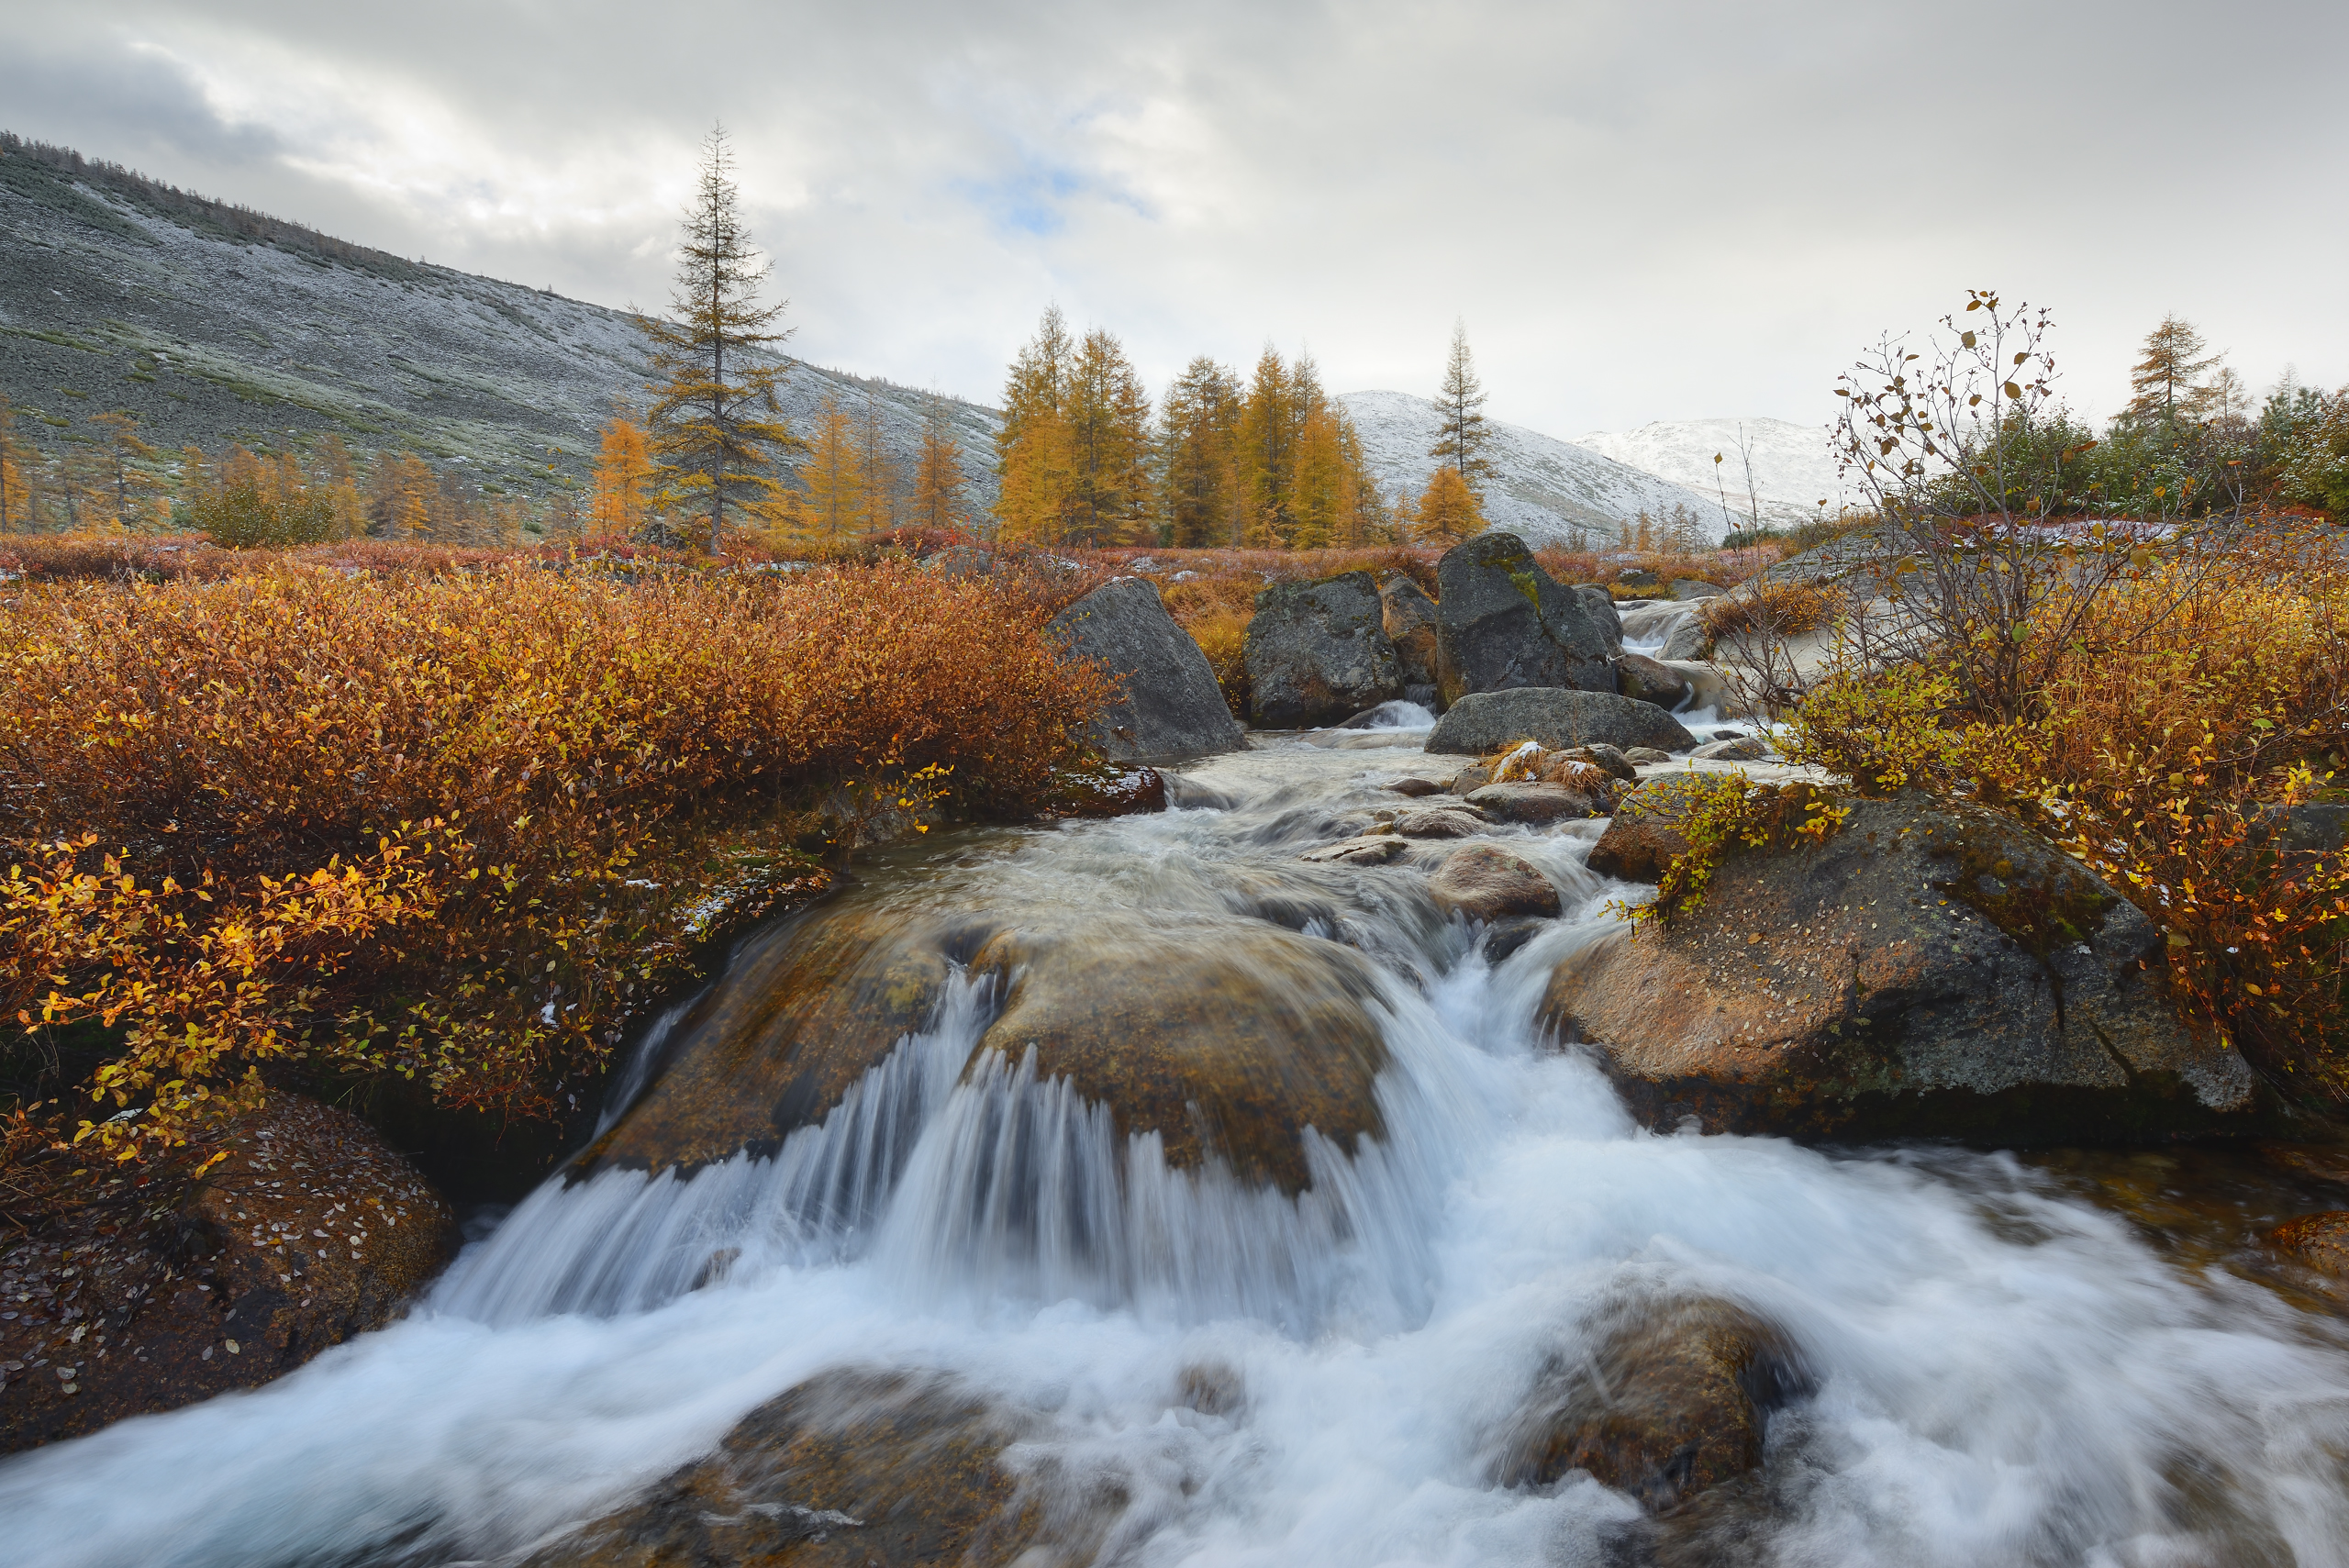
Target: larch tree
716, 426
1448, 511
620, 486
125, 456
882, 488
1199, 433
1460, 434
833, 477
1034, 450
939, 488
1269, 422
1107, 417
2164, 385
12, 484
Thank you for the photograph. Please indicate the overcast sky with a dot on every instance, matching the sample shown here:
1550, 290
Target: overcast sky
1642, 210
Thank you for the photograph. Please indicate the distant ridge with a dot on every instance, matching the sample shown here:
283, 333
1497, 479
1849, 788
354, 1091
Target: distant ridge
1794, 465
213, 323
1543, 489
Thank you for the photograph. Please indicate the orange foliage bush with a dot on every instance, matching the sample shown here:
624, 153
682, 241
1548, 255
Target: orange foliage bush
544, 781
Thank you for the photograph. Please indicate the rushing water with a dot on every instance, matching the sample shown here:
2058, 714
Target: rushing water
1999, 1371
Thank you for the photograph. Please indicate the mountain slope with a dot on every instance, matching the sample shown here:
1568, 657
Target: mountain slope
215, 324
1543, 489
1794, 467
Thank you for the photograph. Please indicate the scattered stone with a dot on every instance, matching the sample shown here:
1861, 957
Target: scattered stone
1606, 758
1318, 652
1923, 972
1638, 578
1168, 703
1105, 790
1687, 639
311, 1231
1536, 802
1484, 722
961, 561
2320, 1241
1416, 787
1661, 1398
1471, 778
1503, 622
1693, 588
1742, 749
1483, 882
1409, 620
1440, 822
1370, 850
1644, 679
1645, 756
1506, 936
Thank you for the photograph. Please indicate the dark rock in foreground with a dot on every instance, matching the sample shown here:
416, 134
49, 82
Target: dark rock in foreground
1168, 702
2320, 1241
1503, 622
849, 1468
1558, 718
1409, 621
1662, 1399
1318, 652
312, 1230
1921, 974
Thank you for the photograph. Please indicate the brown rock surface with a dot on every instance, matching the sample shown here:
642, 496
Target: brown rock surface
1438, 823
1223, 1036
1230, 1045
1416, 787
1483, 882
2320, 1241
310, 1231
1663, 1399
848, 1469
1367, 849
1921, 973
1644, 836
1538, 802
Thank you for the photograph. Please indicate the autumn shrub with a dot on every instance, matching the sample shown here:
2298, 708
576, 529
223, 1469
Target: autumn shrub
455, 827
1771, 608
2197, 701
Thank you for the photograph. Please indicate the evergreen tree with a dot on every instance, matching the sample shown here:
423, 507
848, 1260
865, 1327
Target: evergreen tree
939, 500
1460, 403
2162, 384
716, 426
1269, 423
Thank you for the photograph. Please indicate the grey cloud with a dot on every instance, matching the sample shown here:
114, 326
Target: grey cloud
1643, 211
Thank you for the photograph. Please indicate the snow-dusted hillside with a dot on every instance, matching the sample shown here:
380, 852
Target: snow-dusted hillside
107, 301
1543, 490
1794, 469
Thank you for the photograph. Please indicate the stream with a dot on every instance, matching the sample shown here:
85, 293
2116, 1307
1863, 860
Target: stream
2006, 1360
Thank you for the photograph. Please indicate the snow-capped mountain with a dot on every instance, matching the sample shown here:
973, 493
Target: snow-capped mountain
1543, 490
1794, 467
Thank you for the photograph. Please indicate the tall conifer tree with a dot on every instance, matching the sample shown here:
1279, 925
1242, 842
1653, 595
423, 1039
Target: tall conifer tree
717, 425
1460, 403
2164, 384
939, 500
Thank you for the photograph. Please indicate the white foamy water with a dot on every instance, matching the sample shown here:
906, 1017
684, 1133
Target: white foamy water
1999, 1373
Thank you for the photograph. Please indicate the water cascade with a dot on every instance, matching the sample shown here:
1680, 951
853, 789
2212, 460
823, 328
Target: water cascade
1247, 1196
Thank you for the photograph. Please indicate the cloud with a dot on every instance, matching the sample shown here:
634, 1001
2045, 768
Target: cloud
1648, 211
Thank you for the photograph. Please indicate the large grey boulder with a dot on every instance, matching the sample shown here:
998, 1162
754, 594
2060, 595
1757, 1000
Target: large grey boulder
1484, 721
1318, 652
1168, 703
1925, 972
1501, 622
1601, 605
1409, 621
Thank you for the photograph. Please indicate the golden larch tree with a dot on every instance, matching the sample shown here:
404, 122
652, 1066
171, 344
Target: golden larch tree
2164, 385
1448, 511
939, 501
834, 478
620, 487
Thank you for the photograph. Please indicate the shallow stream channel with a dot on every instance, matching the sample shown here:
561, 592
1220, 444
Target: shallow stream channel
1138, 1192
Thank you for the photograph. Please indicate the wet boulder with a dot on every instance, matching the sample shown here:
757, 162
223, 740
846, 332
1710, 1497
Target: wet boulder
1537, 802
1364, 850
1690, 589
1440, 823
1733, 749
2318, 1240
310, 1231
1502, 622
1485, 883
1608, 760
1559, 718
1415, 787
1923, 972
1227, 1044
851, 1467
1409, 620
1644, 837
1601, 603
1167, 701
1661, 1397
1644, 679
1318, 652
